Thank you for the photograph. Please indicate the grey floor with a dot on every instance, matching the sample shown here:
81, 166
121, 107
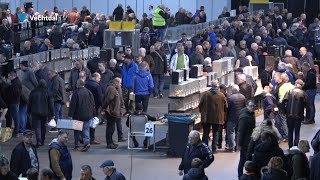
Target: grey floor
146, 164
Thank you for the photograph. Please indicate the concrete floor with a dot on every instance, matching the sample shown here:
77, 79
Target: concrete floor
146, 164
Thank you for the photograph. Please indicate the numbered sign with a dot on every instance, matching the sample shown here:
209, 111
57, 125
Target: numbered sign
149, 129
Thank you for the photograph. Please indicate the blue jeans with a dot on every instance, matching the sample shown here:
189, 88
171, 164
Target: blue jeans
216, 128
160, 33
231, 126
23, 117
119, 128
58, 110
158, 81
312, 95
85, 134
14, 112
281, 125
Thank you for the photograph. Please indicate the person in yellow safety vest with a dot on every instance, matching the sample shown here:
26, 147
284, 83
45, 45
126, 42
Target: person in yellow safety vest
159, 21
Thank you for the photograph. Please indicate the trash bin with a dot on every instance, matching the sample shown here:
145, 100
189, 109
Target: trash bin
180, 126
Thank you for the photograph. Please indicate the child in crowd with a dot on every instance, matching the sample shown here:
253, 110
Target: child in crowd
250, 173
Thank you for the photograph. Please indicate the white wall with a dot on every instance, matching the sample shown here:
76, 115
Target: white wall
212, 7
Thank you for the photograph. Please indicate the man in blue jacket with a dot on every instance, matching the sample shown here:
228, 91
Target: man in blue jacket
129, 69
143, 86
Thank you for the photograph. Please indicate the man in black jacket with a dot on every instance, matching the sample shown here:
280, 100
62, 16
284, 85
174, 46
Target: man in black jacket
55, 37
195, 149
94, 87
82, 108
41, 108
57, 91
196, 57
310, 87
160, 61
96, 37
14, 94
294, 103
106, 75
117, 14
24, 155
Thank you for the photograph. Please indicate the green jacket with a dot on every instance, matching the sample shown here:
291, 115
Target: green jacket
246, 124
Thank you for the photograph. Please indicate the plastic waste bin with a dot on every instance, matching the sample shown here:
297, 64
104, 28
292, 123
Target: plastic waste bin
180, 126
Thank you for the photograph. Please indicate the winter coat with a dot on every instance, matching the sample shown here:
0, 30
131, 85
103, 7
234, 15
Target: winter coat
118, 14
74, 76
296, 67
196, 58
29, 79
112, 102
96, 90
174, 62
310, 83
128, 72
195, 173
95, 39
105, 80
41, 102
299, 164
82, 106
246, 124
161, 66
314, 169
143, 82
57, 89
201, 151
213, 106
269, 102
56, 38
315, 142
116, 175
20, 160
273, 174
150, 62
294, 103
264, 152
247, 176
246, 90
236, 102
14, 91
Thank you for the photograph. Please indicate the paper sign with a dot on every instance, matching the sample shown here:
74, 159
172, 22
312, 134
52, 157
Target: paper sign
118, 41
149, 129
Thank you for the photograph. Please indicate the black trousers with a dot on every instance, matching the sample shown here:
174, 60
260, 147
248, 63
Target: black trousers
294, 125
111, 123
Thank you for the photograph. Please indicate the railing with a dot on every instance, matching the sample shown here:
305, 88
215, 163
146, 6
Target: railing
173, 34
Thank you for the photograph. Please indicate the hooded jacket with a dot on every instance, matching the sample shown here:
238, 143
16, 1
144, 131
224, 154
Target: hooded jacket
128, 72
195, 173
213, 106
143, 82
273, 174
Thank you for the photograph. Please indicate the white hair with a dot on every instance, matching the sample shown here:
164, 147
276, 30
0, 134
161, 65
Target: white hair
80, 30
143, 49
113, 61
235, 88
288, 52
242, 77
207, 61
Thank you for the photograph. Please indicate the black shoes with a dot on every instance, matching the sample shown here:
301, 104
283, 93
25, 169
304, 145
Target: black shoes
122, 140
112, 146
308, 122
135, 143
85, 148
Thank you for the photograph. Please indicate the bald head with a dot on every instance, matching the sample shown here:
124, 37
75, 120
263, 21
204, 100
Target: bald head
199, 49
303, 51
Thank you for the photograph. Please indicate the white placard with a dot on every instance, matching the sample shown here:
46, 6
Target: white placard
149, 129
118, 41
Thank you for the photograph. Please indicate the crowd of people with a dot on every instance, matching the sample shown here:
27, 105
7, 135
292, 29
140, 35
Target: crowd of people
105, 86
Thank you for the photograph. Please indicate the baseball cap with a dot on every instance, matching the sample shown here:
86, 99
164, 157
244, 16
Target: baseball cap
27, 132
107, 163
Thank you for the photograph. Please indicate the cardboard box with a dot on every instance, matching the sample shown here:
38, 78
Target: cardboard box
5, 134
70, 124
115, 25
128, 25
